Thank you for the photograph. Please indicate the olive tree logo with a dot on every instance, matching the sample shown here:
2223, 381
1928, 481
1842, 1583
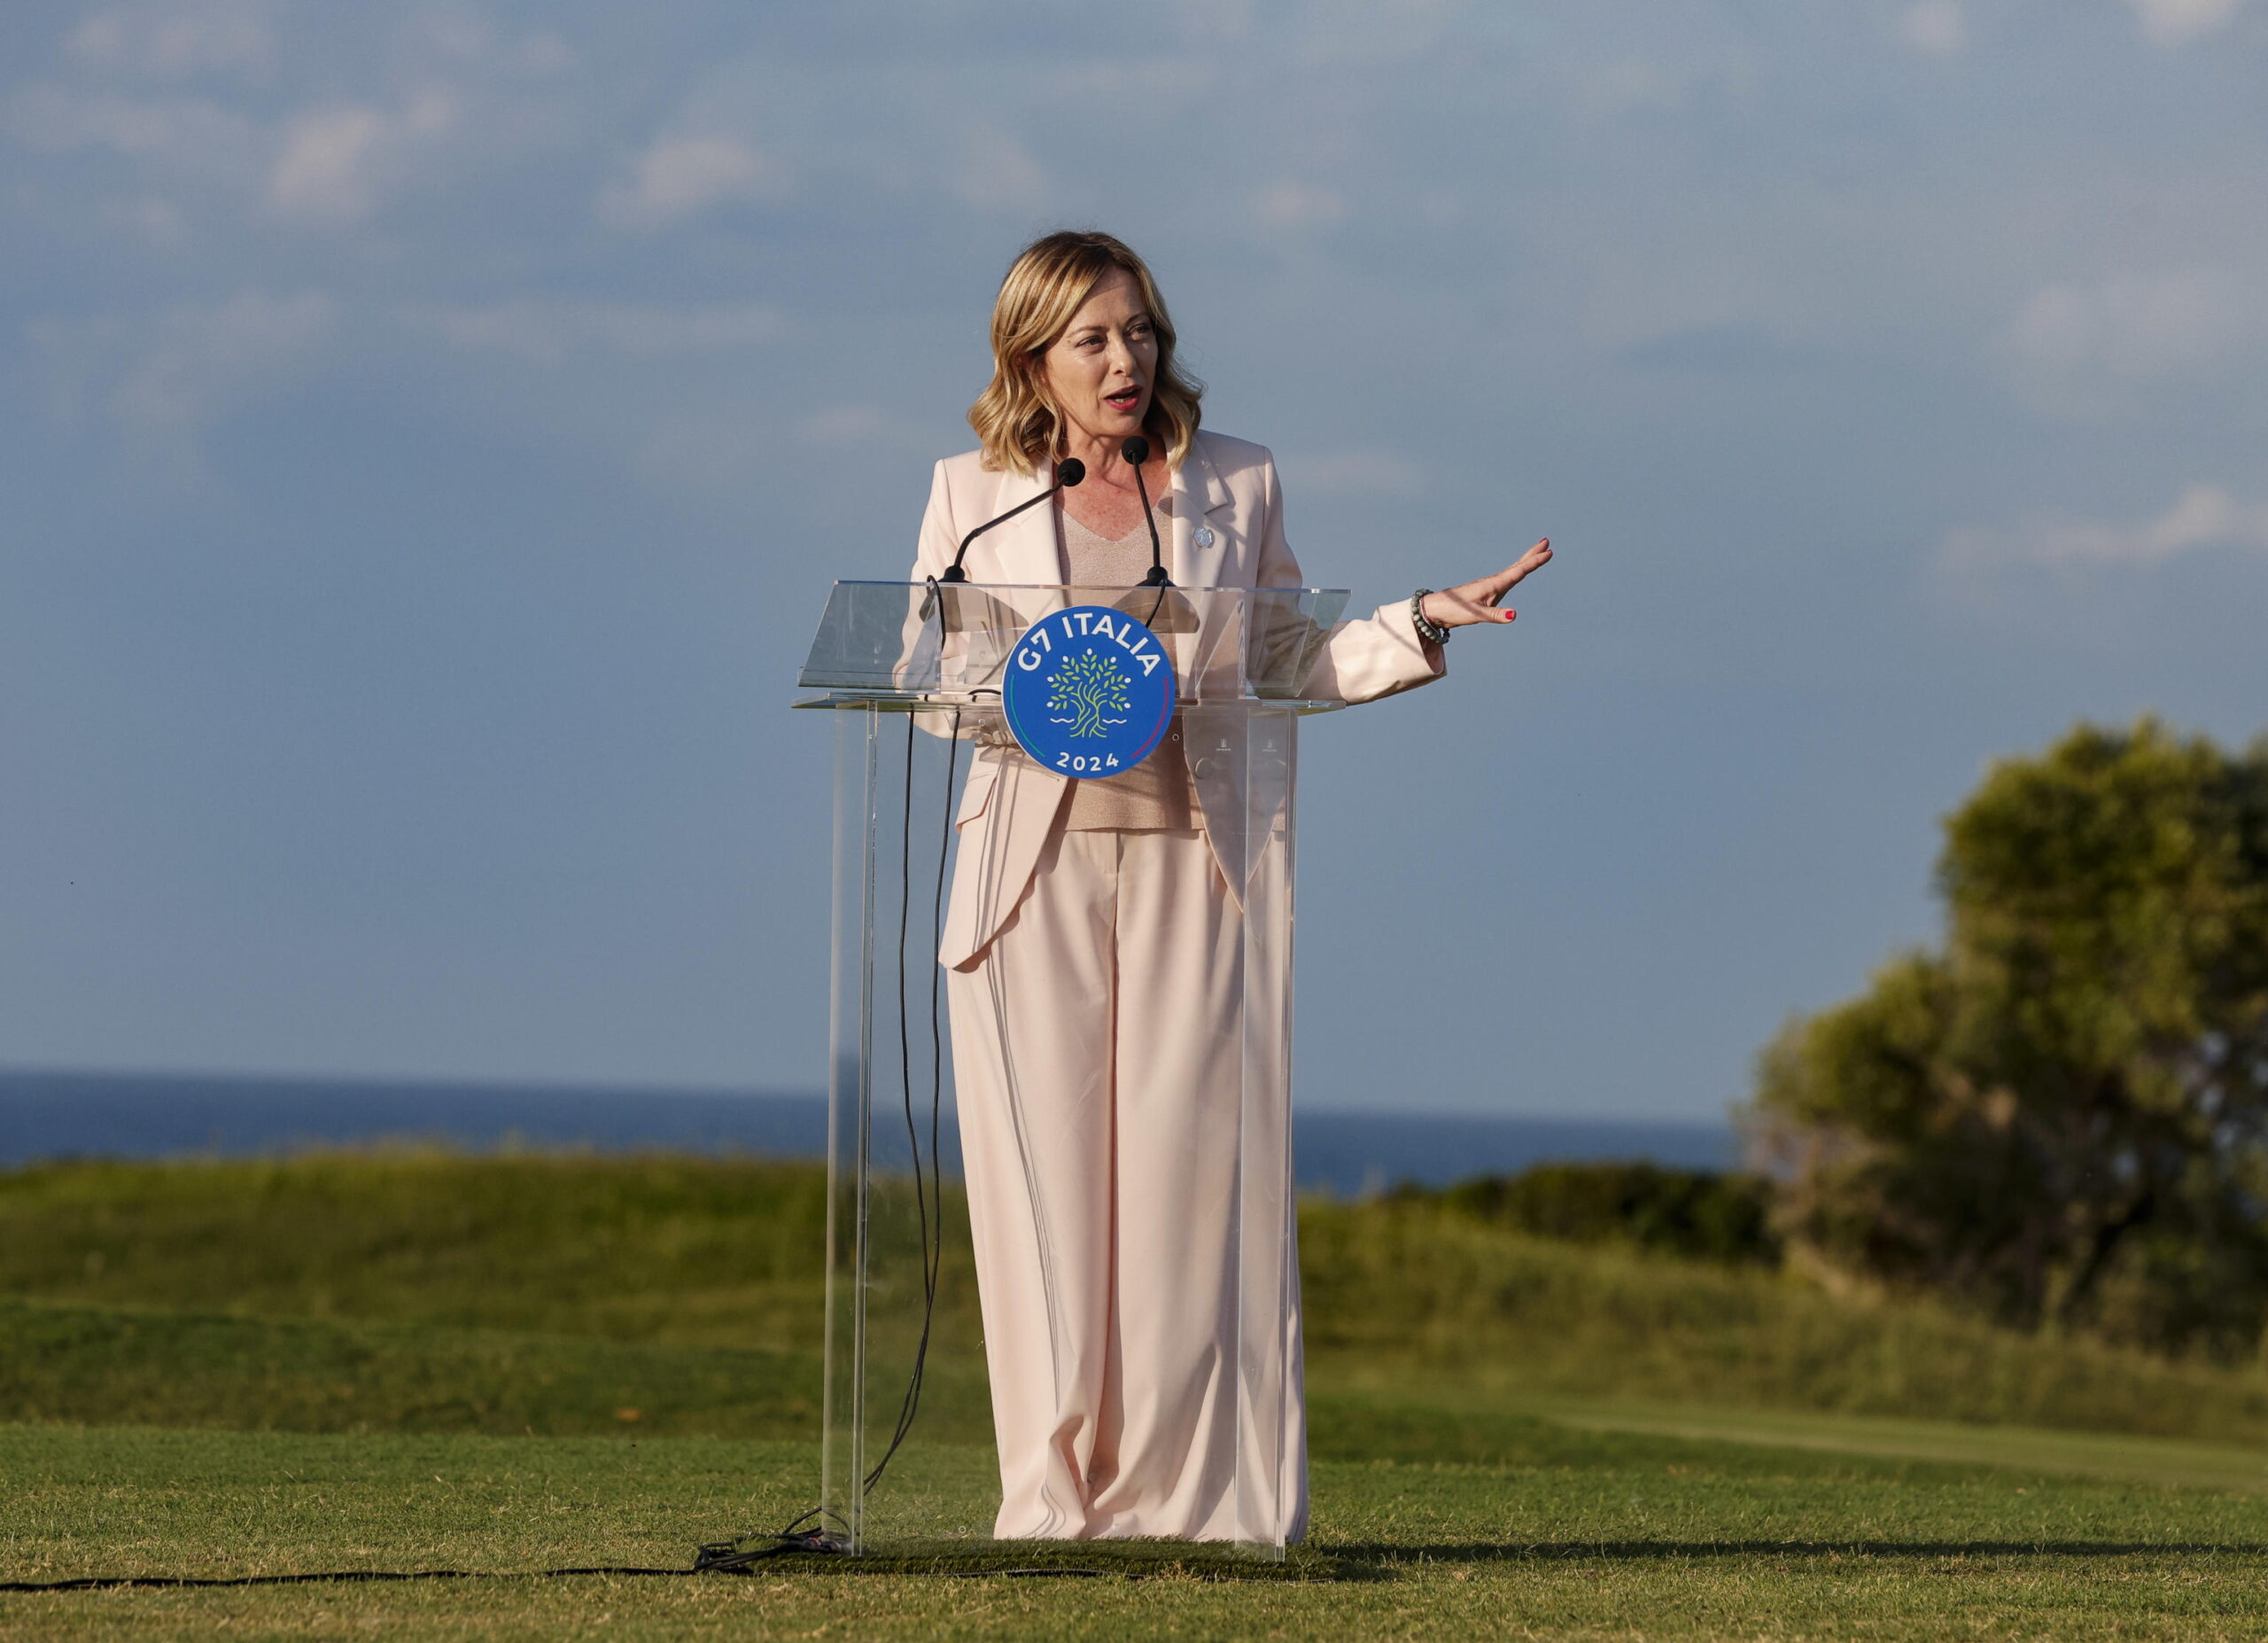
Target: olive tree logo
1088, 691
1087, 686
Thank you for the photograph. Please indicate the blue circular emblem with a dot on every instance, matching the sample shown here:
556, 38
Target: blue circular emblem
1089, 691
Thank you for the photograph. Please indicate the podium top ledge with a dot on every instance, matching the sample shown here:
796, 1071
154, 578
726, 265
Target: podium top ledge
1114, 590
950, 641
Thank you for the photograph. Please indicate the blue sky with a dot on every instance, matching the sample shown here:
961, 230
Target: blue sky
430, 431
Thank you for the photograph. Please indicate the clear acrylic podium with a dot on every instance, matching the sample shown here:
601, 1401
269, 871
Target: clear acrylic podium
912, 673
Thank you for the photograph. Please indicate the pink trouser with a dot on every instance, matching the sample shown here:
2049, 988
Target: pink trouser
1099, 1065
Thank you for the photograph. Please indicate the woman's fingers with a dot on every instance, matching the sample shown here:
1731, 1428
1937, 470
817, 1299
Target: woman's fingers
1534, 559
1476, 601
1492, 589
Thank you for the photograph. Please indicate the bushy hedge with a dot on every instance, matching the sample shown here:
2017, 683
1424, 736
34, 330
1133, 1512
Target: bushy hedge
1703, 1214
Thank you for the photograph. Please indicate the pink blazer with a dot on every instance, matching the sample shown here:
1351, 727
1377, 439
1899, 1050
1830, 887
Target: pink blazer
1228, 484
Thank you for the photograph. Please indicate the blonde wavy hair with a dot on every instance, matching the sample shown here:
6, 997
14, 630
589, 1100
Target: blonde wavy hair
1017, 423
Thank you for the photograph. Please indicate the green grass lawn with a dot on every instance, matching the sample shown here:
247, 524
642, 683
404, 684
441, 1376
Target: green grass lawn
1561, 1532
411, 1361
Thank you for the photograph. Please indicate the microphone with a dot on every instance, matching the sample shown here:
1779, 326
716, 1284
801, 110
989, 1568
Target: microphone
1137, 451
1069, 473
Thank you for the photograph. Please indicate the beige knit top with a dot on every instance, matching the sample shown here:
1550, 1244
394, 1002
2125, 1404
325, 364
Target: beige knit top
1156, 793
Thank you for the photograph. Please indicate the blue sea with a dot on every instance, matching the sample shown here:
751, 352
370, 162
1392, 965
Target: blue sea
93, 1115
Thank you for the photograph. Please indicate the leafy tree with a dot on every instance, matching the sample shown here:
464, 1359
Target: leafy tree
2062, 1117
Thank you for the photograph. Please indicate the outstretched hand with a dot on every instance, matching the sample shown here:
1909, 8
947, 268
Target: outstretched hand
1476, 601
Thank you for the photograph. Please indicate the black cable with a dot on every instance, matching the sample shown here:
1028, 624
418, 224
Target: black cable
114, 1582
912, 1401
929, 1198
723, 1557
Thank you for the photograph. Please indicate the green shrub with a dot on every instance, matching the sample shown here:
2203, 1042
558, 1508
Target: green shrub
429, 1292
1701, 1214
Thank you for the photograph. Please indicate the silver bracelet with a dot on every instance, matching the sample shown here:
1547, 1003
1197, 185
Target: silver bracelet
1427, 627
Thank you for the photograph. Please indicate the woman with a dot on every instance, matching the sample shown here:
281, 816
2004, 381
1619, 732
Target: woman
1091, 940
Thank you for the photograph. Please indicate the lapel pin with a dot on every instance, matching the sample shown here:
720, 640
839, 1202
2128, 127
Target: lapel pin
1202, 536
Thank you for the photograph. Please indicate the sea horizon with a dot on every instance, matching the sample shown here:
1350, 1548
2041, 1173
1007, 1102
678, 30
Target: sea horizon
54, 1114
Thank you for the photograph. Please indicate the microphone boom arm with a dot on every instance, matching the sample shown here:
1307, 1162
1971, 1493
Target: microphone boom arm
1137, 451
1069, 473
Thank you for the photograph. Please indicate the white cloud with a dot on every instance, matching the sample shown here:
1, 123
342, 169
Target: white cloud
693, 453
843, 424
187, 136
547, 330
1150, 83
997, 172
1215, 21
2135, 324
152, 218
2203, 515
324, 167
1298, 205
1368, 32
465, 39
1938, 27
205, 356
679, 177
2173, 22
176, 42
2084, 346
542, 54
334, 162
173, 372
736, 450
868, 428
1364, 473
1610, 91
